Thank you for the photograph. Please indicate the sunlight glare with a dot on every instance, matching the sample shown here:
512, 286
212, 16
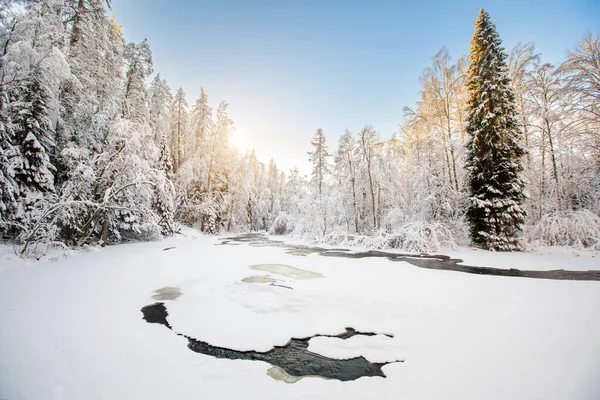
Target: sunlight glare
236, 140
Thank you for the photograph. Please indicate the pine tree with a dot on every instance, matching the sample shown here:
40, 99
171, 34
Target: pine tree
201, 119
496, 193
179, 128
164, 192
164, 161
90, 101
318, 157
160, 103
33, 135
139, 60
9, 190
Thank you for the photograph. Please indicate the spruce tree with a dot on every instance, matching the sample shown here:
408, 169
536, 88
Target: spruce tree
201, 119
179, 128
33, 135
9, 189
164, 195
164, 161
495, 212
318, 158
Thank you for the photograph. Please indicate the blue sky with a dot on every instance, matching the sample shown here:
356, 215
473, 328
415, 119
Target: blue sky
290, 67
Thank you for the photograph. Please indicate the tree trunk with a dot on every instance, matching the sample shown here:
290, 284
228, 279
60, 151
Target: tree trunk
353, 181
554, 168
372, 193
76, 32
378, 206
542, 176
104, 235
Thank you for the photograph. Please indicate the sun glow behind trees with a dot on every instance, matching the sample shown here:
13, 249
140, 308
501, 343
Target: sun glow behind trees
240, 140
95, 149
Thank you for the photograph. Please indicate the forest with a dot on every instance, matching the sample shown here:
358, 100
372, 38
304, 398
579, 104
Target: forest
96, 148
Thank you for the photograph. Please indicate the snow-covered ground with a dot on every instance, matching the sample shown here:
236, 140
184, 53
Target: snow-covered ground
72, 328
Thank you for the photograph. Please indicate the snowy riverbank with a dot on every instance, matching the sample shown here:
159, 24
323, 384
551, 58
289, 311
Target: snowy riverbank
72, 328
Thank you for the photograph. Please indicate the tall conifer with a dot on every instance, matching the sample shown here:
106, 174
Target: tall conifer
495, 212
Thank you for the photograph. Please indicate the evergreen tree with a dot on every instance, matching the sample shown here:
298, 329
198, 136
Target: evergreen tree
318, 158
95, 57
160, 103
201, 119
164, 191
179, 128
165, 163
495, 212
33, 135
139, 60
9, 190
90, 102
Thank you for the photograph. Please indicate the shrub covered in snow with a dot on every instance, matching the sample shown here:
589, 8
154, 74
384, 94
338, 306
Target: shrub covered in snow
415, 237
280, 225
579, 228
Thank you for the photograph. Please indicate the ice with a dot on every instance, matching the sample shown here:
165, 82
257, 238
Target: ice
286, 270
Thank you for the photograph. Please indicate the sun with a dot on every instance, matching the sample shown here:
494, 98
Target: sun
236, 140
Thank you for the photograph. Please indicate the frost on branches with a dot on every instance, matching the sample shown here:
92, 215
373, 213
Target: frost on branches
94, 149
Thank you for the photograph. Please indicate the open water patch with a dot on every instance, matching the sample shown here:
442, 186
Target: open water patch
290, 362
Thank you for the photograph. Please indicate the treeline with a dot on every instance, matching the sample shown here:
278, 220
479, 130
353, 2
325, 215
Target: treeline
95, 148
413, 191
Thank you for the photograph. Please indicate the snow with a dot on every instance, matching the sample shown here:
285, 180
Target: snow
72, 328
379, 348
538, 259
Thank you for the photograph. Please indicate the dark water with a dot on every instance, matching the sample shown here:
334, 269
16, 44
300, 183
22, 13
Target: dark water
294, 358
428, 261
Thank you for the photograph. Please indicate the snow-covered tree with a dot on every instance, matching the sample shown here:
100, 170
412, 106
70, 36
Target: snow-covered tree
201, 120
346, 167
369, 145
139, 61
33, 136
33, 67
164, 196
179, 128
552, 115
583, 67
9, 188
160, 103
318, 157
496, 193
442, 91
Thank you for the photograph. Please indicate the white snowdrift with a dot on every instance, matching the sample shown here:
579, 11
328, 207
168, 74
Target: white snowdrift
72, 329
